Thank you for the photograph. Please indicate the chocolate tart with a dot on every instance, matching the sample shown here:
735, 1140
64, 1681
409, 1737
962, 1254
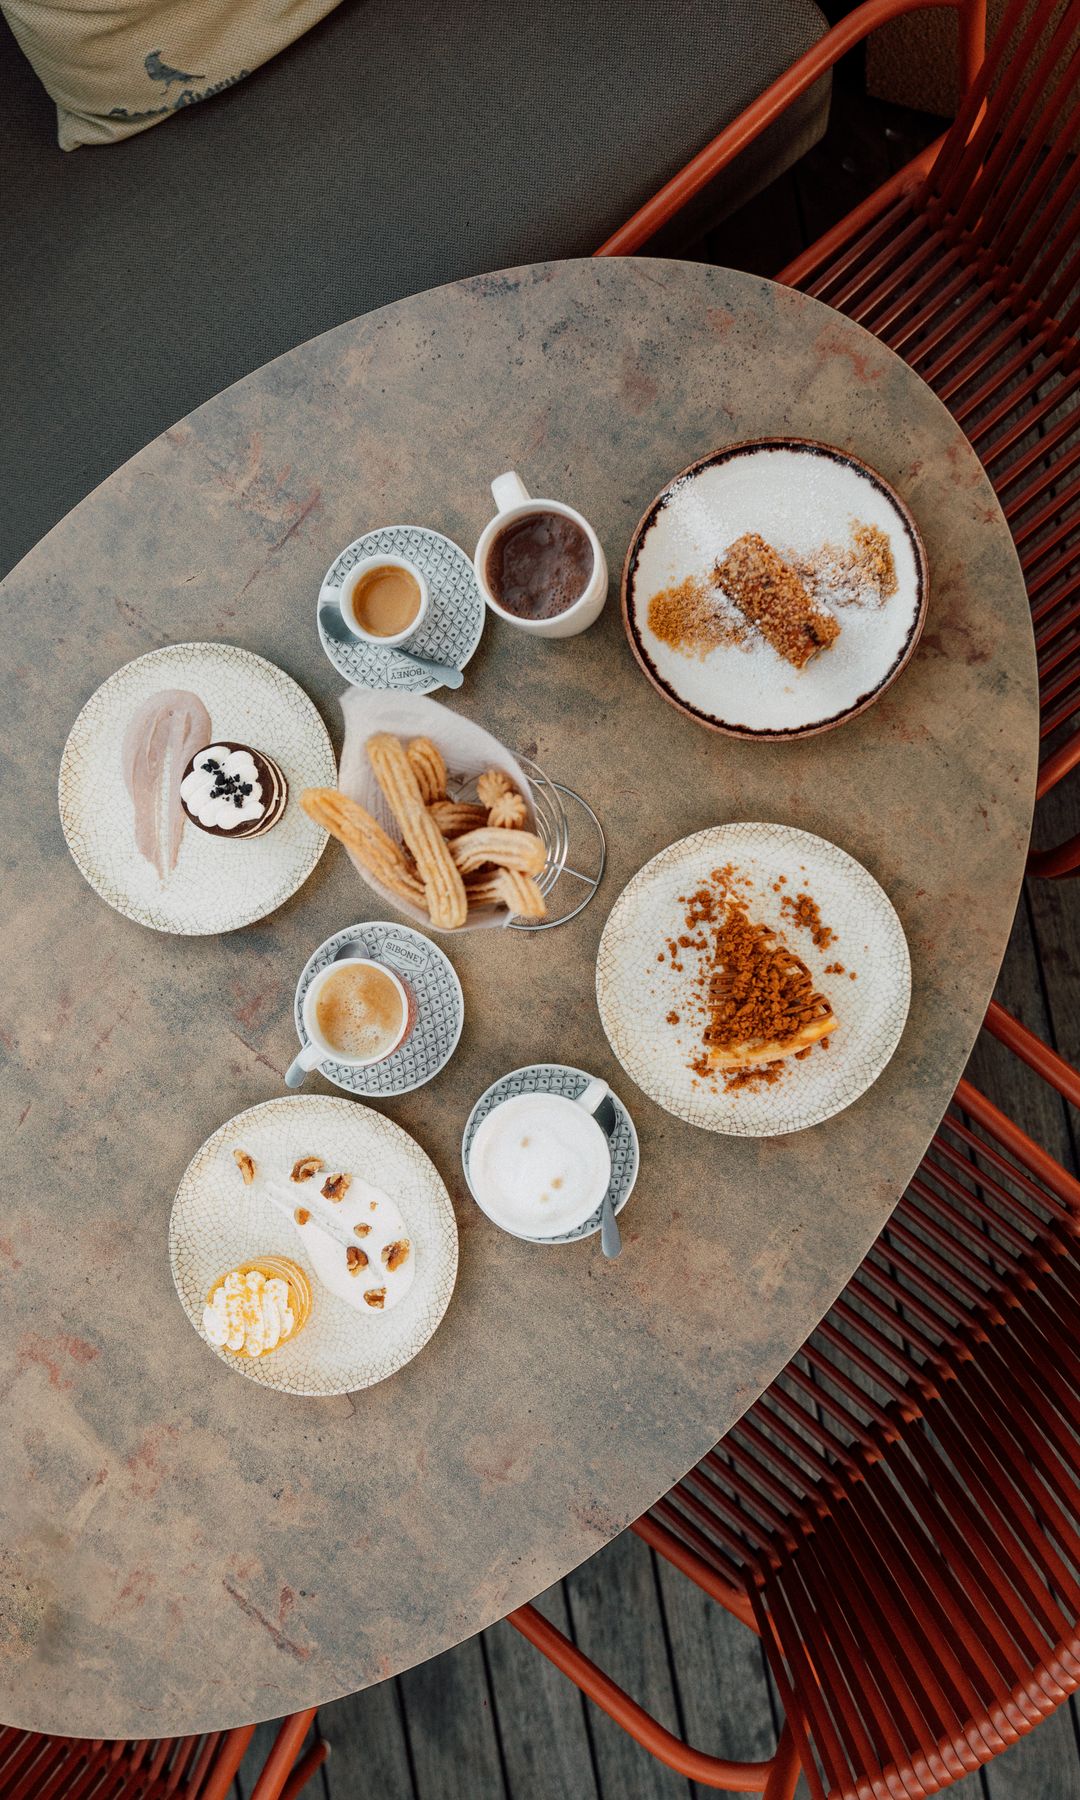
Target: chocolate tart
231, 790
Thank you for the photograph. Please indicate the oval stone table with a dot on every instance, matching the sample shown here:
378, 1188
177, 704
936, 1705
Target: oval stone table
183, 1550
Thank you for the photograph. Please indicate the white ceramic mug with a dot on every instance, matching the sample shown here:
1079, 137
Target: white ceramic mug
352, 582
515, 1217
513, 501
318, 1050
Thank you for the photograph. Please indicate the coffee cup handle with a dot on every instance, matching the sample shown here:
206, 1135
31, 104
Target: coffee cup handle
509, 490
309, 1058
592, 1096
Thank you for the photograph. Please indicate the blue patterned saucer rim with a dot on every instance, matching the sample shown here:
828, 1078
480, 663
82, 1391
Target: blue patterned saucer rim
560, 1078
440, 1006
450, 633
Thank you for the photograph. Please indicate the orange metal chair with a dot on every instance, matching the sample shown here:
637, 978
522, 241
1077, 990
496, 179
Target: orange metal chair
33, 1767
967, 263
906, 1543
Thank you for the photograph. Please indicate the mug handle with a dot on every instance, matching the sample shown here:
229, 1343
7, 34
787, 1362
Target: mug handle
509, 490
591, 1097
309, 1058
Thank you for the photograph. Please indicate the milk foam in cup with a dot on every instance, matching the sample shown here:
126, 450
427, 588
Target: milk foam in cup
539, 1164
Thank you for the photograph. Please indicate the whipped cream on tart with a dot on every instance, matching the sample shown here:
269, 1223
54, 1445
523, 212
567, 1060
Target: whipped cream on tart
232, 790
257, 1306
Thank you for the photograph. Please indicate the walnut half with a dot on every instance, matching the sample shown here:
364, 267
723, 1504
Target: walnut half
246, 1166
376, 1297
393, 1255
306, 1168
335, 1187
356, 1259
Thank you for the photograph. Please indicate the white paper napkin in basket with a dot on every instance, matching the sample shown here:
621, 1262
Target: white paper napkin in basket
467, 749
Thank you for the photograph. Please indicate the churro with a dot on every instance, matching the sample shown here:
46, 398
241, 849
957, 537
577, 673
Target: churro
364, 838
491, 784
509, 811
455, 816
427, 764
521, 850
444, 893
519, 894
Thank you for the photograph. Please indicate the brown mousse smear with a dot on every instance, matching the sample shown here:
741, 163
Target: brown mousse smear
161, 738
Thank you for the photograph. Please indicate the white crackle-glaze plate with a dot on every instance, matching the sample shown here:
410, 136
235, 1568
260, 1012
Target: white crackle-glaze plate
217, 1223
637, 988
217, 885
449, 634
798, 495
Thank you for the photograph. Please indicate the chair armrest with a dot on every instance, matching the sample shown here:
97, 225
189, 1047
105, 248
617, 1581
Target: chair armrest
773, 103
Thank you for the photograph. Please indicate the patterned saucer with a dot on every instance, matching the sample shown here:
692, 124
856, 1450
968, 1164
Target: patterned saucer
560, 1078
219, 1222
449, 634
440, 1007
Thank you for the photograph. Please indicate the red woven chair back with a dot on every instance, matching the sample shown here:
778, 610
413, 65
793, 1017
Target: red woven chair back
33, 1767
902, 1503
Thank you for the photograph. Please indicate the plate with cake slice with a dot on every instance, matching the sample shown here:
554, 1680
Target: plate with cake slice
753, 979
775, 588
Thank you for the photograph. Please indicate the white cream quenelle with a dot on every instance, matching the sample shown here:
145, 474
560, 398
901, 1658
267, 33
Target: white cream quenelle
359, 1246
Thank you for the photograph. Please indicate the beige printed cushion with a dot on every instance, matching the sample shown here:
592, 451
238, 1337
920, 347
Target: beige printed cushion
115, 67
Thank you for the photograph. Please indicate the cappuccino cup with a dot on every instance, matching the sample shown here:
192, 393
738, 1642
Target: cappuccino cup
356, 1012
539, 1164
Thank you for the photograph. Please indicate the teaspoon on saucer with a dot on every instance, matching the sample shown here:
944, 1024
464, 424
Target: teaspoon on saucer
610, 1235
335, 627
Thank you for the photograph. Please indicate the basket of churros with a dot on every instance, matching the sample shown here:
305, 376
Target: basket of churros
439, 818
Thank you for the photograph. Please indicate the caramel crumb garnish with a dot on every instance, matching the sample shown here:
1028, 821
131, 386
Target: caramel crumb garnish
246, 1166
306, 1167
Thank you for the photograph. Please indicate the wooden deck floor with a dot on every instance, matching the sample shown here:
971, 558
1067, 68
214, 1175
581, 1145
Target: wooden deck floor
491, 1720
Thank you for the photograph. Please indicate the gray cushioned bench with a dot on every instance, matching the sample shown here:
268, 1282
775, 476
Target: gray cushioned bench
400, 144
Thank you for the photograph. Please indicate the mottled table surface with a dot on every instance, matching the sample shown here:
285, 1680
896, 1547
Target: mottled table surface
181, 1549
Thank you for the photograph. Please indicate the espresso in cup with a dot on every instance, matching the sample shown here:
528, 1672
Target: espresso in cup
359, 1012
386, 600
538, 566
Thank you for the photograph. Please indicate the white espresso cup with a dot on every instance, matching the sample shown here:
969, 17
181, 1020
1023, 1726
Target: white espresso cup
319, 1049
352, 581
513, 501
539, 1164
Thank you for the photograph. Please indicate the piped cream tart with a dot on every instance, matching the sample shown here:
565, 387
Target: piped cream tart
257, 1306
231, 790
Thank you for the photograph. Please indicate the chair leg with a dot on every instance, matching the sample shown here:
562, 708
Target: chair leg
772, 1778
279, 1764
787, 1768
305, 1769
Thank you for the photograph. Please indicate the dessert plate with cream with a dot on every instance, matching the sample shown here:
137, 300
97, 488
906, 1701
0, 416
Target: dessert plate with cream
775, 588
449, 617
753, 979
178, 788
536, 1161
433, 1004
313, 1245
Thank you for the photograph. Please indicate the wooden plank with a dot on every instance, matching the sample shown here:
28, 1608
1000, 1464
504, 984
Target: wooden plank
450, 1727
1043, 1766
368, 1748
719, 1673
615, 1613
540, 1714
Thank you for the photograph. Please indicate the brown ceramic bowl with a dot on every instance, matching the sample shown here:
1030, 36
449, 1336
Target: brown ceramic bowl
759, 697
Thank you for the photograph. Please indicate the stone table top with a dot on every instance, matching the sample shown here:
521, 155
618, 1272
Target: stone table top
182, 1550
